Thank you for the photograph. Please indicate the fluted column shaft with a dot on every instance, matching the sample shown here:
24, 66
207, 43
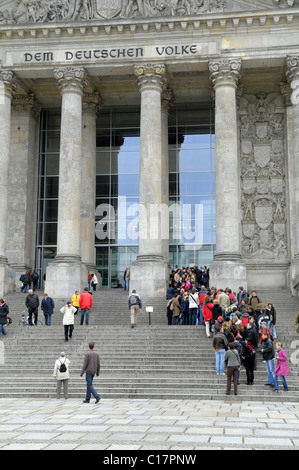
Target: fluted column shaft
71, 82
225, 75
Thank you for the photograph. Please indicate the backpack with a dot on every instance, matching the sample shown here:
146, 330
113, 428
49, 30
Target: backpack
133, 300
62, 368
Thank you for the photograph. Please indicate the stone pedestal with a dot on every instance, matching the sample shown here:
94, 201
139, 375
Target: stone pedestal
8, 84
67, 273
228, 269
149, 274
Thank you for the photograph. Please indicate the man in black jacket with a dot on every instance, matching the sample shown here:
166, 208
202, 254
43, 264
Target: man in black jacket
32, 303
4, 311
268, 356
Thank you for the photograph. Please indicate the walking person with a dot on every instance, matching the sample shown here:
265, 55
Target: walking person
32, 304
68, 312
135, 304
91, 367
4, 311
232, 359
47, 307
62, 375
75, 300
85, 304
282, 369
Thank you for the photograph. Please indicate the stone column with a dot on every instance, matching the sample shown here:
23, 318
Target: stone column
227, 268
92, 103
292, 71
149, 273
22, 205
8, 85
67, 273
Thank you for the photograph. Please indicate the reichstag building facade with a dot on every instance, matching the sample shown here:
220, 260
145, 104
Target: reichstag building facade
149, 134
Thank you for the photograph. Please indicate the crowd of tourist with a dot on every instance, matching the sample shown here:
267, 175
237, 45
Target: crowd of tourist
239, 324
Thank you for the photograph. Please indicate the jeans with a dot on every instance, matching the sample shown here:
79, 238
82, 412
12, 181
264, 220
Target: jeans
284, 382
90, 389
127, 285
270, 371
192, 316
201, 320
220, 356
2, 330
84, 311
48, 320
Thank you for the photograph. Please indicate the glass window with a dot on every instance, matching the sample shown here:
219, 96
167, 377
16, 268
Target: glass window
52, 164
125, 162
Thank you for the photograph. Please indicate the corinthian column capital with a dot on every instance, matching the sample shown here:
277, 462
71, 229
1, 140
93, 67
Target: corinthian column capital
151, 76
71, 79
225, 72
10, 81
292, 73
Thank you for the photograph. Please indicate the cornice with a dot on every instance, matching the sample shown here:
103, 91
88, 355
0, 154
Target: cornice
212, 21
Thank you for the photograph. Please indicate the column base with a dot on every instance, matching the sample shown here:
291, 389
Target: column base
149, 276
64, 276
228, 270
7, 279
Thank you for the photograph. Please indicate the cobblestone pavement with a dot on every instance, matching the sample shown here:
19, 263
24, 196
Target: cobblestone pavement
147, 425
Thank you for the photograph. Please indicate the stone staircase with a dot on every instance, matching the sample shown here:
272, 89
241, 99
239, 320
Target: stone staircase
149, 361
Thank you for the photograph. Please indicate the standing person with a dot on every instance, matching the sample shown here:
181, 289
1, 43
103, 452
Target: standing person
75, 301
135, 304
47, 307
68, 312
282, 369
176, 306
268, 356
232, 359
35, 278
127, 278
85, 304
94, 282
249, 355
32, 303
207, 312
62, 375
4, 311
193, 307
201, 295
220, 345
91, 367
27, 282
89, 282
224, 301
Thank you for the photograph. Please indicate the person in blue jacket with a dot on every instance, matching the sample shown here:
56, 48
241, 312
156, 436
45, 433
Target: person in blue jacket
47, 307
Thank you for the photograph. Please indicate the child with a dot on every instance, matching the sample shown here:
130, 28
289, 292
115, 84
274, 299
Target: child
282, 368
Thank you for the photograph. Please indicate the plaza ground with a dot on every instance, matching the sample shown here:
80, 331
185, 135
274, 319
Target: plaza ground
32, 424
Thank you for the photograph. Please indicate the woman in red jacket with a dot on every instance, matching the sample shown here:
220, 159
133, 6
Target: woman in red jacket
207, 314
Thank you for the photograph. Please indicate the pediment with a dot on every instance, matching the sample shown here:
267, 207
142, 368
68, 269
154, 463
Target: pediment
47, 11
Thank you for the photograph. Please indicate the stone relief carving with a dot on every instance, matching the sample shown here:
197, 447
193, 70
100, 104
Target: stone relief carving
262, 120
42, 11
